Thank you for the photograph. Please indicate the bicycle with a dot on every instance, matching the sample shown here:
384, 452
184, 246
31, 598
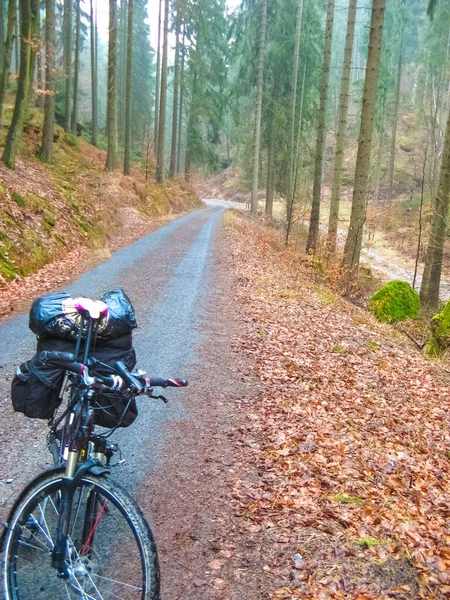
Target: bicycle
73, 531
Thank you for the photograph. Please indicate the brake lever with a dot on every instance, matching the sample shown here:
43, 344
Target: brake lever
160, 397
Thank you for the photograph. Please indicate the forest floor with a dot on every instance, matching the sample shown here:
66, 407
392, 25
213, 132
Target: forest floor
390, 236
340, 477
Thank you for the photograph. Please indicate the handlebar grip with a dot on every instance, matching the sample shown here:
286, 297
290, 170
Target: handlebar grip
163, 382
57, 356
63, 359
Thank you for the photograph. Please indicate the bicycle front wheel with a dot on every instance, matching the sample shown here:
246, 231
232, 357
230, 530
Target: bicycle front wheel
110, 550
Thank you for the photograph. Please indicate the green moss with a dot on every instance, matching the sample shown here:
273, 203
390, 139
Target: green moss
372, 345
6, 267
71, 139
17, 198
344, 499
369, 542
440, 340
396, 301
338, 349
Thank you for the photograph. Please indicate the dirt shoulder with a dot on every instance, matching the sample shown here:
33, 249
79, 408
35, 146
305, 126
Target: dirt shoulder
313, 461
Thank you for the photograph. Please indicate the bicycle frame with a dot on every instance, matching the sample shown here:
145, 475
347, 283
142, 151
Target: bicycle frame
78, 434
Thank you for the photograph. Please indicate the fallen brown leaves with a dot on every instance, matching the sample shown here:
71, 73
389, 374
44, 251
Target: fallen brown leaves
350, 438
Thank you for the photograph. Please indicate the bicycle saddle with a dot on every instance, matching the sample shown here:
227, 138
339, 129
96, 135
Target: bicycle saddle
95, 308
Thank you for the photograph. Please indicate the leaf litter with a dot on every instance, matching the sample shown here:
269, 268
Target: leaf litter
351, 448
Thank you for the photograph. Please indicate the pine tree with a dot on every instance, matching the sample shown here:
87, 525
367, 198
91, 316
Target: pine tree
7, 55
128, 99
259, 92
34, 43
353, 243
40, 67
67, 27
2, 30
176, 85
111, 157
313, 232
160, 167
76, 70
342, 126
158, 80
46, 151
290, 199
181, 103
94, 82
15, 131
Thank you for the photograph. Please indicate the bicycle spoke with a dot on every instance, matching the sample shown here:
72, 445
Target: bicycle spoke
76, 512
134, 587
85, 594
47, 535
44, 549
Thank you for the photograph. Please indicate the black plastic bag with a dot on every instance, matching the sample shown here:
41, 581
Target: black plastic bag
121, 319
55, 316
49, 317
36, 389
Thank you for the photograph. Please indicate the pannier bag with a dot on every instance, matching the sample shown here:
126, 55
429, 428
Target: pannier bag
36, 389
110, 405
56, 316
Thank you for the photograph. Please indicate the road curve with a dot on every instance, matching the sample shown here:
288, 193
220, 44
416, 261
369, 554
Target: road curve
166, 276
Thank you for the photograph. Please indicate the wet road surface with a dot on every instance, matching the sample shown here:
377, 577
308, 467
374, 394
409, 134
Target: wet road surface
166, 275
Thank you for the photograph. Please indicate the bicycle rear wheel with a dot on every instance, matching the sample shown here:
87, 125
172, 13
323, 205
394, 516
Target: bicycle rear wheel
110, 550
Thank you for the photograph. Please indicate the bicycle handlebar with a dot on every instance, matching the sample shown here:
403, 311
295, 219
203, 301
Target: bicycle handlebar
139, 384
163, 382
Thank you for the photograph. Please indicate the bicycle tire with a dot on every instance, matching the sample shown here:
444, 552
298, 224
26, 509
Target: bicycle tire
27, 570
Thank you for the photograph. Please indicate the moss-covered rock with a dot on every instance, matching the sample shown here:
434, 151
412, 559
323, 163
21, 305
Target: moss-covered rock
396, 301
440, 340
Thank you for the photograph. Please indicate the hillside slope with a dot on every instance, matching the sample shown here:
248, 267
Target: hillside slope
50, 215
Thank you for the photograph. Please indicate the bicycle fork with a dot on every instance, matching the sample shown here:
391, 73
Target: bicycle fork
70, 482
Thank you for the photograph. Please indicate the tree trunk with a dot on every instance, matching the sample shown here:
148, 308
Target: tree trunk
94, 79
160, 170
158, 80
376, 191
111, 157
431, 281
6, 71
180, 109
122, 50
76, 71
46, 151
176, 83
395, 116
313, 233
127, 154
33, 42
342, 126
40, 66
67, 56
262, 45
294, 77
15, 131
17, 39
270, 170
352, 249
2, 30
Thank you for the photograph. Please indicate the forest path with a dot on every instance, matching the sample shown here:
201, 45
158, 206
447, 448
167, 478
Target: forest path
166, 274
381, 257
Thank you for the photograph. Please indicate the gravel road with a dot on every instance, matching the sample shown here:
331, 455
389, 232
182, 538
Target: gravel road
166, 275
